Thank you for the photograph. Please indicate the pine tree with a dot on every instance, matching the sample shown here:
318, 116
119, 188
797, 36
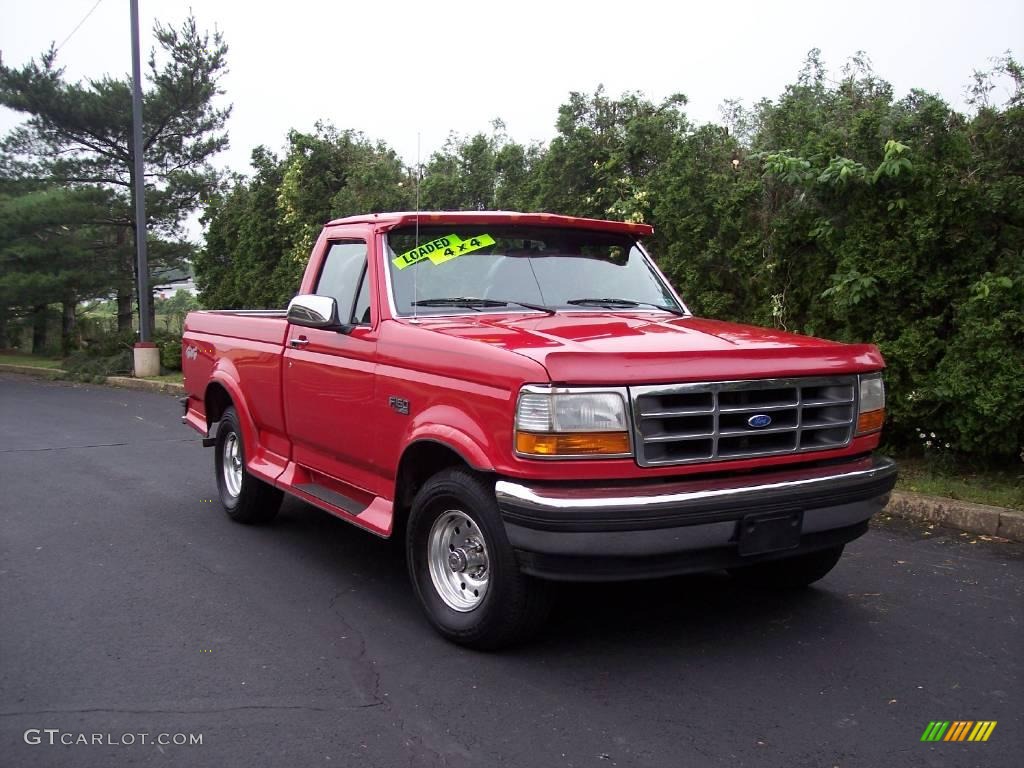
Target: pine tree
79, 135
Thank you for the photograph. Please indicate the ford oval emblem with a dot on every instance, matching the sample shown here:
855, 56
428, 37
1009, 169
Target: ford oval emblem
760, 420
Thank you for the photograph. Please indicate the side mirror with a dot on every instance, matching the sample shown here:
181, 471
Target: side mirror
313, 311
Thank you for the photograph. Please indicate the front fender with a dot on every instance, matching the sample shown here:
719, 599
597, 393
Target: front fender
455, 429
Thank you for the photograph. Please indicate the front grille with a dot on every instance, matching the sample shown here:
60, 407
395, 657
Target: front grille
687, 423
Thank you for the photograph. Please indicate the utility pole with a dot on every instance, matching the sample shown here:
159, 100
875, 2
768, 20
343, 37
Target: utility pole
147, 357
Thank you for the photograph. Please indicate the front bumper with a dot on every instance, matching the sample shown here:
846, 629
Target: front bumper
573, 532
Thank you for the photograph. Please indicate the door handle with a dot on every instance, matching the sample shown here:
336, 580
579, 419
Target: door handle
299, 342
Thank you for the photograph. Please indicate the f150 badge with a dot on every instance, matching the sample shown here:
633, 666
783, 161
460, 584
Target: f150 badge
191, 352
399, 404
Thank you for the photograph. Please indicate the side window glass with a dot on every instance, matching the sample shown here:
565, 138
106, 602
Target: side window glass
340, 275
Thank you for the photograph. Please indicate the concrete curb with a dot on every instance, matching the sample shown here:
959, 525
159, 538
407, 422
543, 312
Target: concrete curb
125, 382
32, 370
974, 518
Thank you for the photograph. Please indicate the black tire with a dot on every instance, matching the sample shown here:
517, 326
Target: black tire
514, 605
255, 501
791, 572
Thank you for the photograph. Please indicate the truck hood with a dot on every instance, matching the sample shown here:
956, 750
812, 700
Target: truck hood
634, 348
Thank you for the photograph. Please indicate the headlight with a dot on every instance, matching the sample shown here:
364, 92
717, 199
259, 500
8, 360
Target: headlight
871, 415
564, 423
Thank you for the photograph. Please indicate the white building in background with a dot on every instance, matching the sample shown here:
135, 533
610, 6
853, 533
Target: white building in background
170, 281
169, 289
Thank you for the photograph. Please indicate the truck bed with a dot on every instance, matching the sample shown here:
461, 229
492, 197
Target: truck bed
244, 348
266, 325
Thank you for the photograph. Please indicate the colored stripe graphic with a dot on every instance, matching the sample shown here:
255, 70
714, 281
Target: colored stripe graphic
958, 730
989, 727
935, 730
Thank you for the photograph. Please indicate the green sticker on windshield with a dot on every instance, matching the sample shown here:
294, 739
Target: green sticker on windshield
442, 249
424, 251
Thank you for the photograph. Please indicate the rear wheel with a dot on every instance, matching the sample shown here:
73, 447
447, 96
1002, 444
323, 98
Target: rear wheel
791, 572
462, 566
246, 499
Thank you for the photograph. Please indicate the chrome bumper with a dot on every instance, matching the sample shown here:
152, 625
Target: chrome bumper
670, 519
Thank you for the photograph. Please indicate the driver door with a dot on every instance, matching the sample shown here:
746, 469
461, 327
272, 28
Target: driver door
329, 377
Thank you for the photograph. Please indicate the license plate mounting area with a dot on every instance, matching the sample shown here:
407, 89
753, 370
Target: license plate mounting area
770, 532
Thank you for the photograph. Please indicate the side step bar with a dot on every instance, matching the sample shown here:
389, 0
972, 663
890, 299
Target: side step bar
334, 498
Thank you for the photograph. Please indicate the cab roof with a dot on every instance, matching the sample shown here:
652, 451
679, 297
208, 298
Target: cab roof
394, 220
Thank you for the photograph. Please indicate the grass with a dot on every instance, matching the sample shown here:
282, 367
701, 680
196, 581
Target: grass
167, 378
36, 361
54, 363
998, 488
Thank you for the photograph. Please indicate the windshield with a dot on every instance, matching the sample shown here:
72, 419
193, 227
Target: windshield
457, 268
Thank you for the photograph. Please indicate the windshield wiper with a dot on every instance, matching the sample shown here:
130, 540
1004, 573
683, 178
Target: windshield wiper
610, 303
528, 305
471, 302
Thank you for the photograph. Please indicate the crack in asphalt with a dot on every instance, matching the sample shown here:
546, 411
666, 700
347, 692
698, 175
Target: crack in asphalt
420, 753
98, 445
419, 749
360, 658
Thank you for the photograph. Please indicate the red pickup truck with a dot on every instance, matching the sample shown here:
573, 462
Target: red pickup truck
525, 398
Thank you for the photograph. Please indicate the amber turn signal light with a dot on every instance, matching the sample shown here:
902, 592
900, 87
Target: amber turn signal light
870, 422
572, 443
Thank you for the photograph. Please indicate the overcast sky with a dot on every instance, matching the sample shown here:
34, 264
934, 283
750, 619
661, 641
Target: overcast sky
392, 69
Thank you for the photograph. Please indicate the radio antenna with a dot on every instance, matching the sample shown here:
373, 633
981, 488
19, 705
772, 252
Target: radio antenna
415, 270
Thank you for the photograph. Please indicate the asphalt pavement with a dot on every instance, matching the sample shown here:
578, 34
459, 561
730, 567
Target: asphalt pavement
131, 606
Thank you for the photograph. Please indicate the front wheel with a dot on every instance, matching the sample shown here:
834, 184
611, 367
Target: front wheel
462, 566
245, 498
791, 572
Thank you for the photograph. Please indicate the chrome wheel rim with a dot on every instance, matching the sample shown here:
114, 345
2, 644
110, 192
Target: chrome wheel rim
232, 464
458, 561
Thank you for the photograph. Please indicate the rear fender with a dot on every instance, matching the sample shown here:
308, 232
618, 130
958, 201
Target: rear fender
226, 376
